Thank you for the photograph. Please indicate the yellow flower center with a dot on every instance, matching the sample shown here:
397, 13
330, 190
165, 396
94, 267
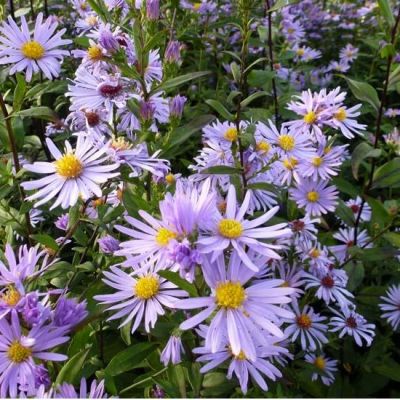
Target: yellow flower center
315, 253
69, 166
286, 142
95, 53
284, 284
230, 228
263, 146
32, 50
317, 161
18, 353
147, 287
327, 150
11, 296
120, 144
229, 295
320, 363
303, 321
91, 20
310, 117
196, 6
300, 52
341, 115
241, 356
98, 202
170, 179
312, 196
290, 163
164, 235
231, 134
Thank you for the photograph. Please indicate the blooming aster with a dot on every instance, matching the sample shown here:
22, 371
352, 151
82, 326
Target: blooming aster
325, 368
76, 173
67, 391
391, 306
32, 54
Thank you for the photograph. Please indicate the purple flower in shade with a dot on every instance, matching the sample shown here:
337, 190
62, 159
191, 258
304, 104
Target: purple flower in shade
146, 110
62, 222
172, 351
348, 322
241, 311
67, 391
343, 119
42, 376
182, 254
76, 173
308, 327
233, 229
18, 351
23, 266
139, 297
346, 235
325, 368
355, 206
69, 312
32, 53
292, 276
153, 9
391, 307
315, 196
330, 288
173, 52
240, 365
176, 105
157, 392
348, 53
304, 230
108, 244
32, 310
107, 40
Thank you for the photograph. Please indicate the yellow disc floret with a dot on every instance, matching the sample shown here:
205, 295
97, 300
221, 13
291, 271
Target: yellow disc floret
286, 142
315, 253
263, 146
147, 287
231, 134
230, 228
69, 166
303, 321
300, 52
95, 53
229, 295
33, 50
317, 161
312, 196
290, 163
320, 363
170, 179
18, 353
341, 115
310, 117
164, 235
11, 297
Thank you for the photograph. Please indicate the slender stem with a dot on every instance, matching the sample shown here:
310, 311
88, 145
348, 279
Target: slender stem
46, 8
12, 9
383, 101
17, 165
32, 9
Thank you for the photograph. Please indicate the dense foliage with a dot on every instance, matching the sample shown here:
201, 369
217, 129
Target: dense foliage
200, 199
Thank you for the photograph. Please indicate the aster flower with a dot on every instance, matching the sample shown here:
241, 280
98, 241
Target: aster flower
67, 391
32, 53
225, 133
343, 119
325, 368
292, 276
346, 235
391, 306
18, 351
308, 327
76, 173
303, 229
138, 297
233, 229
355, 205
316, 197
108, 244
69, 312
305, 53
172, 351
348, 53
348, 322
241, 310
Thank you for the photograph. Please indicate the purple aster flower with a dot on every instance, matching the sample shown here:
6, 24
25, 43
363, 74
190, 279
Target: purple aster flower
348, 322
355, 206
348, 53
67, 391
325, 367
308, 326
182, 254
173, 52
240, 310
32, 52
62, 222
292, 277
139, 297
108, 244
18, 351
346, 235
153, 9
69, 312
304, 230
157, 392
316, 197
176, 105
32, 310
76, 173
343, 119
391, 306
146, 110
233, 229
172, 351
106, 38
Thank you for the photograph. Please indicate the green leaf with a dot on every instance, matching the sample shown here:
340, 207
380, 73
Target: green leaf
281, 3
180, 282
180, 80
345, 213
221, 170
345, 186
356, 273
235, 71
220, 109
386, 11
71, 370
19, 93
394, 78
360, 153
380, 216
127, 359
37, 112
364, 91
252, 97
390, 369
259, 78
268, 187
387, 175
46, 240
393, 238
